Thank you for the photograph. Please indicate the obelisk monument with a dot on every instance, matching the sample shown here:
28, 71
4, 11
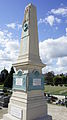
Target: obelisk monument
29, 58
28, 101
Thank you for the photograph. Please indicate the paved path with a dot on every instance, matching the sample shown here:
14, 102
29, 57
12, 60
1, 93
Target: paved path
57, 112
2, 111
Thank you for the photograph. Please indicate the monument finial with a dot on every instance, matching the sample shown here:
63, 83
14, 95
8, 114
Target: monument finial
29, 6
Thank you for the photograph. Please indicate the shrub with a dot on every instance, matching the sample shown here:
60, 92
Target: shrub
61, 85
65, 85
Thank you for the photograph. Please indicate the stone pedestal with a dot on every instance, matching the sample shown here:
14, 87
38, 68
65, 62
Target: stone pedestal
31, 105
27, 101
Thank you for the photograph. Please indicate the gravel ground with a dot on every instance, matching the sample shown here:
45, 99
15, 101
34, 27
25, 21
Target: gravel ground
57, 112
3, 111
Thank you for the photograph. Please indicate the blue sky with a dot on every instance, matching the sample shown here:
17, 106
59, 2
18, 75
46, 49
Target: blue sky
52, 32
12, 11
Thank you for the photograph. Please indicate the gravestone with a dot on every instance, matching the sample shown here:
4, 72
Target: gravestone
4, 100
28, 101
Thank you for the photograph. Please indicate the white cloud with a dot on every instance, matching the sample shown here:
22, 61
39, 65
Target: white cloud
54, 47
1, 35
8, 49
52, 51
14, 25
57, 20
66, 31
41, 21
11, 25
62, 61
59, 11
51, 20
9, 35
19, 26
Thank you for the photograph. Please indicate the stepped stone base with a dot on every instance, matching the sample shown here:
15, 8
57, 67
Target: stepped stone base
9, 117
47, 117
32, 105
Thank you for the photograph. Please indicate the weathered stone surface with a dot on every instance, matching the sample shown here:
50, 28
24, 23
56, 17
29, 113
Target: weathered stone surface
29, 58
47, 117
53, 110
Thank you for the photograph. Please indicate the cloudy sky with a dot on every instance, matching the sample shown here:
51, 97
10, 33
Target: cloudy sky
52, 31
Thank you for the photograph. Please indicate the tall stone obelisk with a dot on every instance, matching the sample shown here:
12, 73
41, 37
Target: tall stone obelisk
29, 58
28, 101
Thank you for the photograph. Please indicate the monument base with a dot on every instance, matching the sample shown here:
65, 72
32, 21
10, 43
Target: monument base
47, 117
9, 117
27, 106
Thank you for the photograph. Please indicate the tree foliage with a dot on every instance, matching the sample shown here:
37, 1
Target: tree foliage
9, 80
52, 79
57, 80
49, 78
3, 76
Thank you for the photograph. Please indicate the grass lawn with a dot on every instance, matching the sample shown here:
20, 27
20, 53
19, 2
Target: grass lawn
1, 86
57, 90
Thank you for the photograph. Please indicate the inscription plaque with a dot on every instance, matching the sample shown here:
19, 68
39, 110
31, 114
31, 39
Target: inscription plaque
16, 112
36, 82
19, 81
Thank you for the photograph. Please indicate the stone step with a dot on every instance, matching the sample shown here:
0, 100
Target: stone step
9, 117
47, 117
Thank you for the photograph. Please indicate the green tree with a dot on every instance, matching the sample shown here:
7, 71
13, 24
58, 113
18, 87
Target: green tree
9, 80
49, 77
64, 78
4, 74
57, 80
